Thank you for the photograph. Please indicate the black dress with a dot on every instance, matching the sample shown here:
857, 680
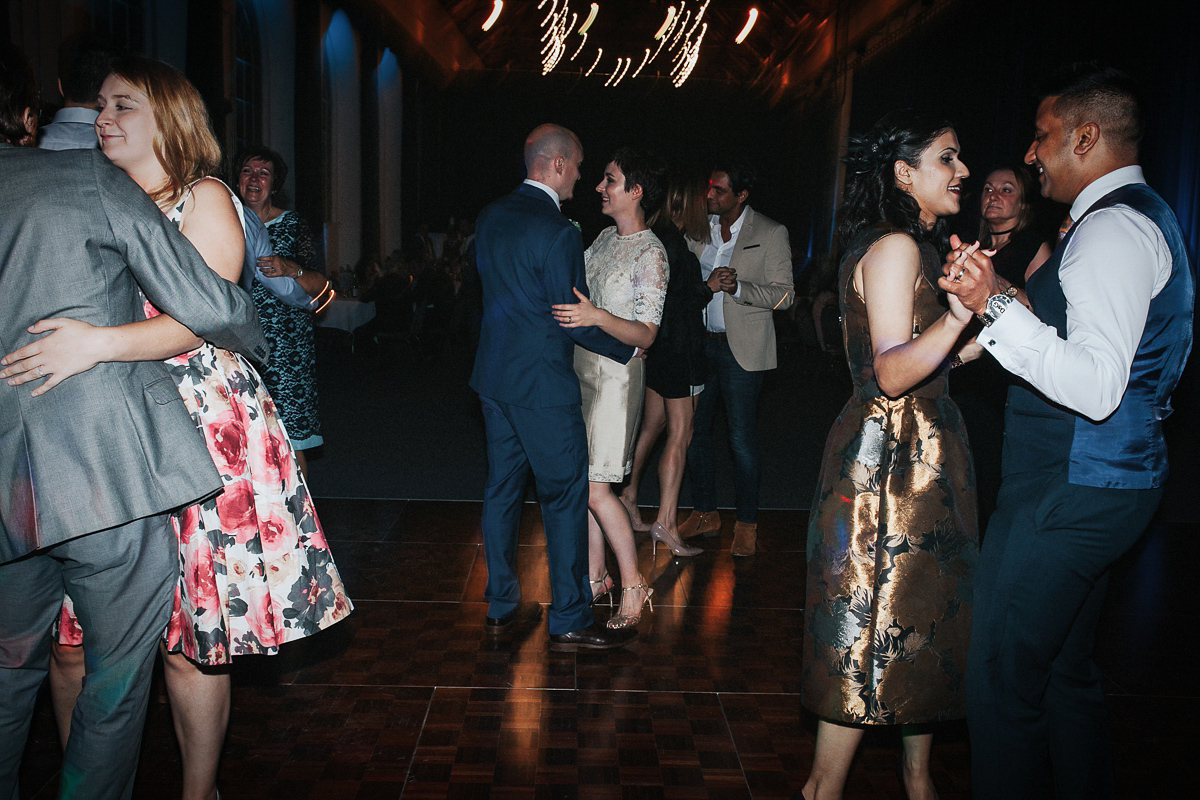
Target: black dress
676, 361
981, 387
1011, 260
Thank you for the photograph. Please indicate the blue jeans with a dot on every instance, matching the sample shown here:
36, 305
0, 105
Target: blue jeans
739, 389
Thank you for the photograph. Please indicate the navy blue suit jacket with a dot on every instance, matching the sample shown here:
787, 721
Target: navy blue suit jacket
530, 256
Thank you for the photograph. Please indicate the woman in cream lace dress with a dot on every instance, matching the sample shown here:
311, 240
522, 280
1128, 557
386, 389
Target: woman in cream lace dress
627, 280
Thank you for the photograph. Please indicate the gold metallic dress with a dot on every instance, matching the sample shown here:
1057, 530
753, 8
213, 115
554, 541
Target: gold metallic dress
893, 538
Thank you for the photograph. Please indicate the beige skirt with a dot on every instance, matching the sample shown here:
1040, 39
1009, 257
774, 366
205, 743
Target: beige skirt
612, 410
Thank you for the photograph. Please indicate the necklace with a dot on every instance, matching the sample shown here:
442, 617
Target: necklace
1001, 233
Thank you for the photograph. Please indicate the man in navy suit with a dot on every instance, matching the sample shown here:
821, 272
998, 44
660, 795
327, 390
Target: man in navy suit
530, 257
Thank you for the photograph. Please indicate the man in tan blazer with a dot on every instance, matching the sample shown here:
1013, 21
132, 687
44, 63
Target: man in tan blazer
748, 266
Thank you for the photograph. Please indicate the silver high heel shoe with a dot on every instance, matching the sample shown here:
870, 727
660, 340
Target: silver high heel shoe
660, 534
629, 620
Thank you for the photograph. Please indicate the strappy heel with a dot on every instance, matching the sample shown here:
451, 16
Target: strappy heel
607, 583
629, 620
670, 540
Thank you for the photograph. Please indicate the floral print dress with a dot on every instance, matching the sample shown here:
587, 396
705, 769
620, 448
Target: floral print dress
255, 569
892, 542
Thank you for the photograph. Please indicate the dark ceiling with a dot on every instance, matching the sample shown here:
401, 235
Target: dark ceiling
791, 49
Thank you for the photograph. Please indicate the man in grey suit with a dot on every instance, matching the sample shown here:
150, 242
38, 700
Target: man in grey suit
90, 471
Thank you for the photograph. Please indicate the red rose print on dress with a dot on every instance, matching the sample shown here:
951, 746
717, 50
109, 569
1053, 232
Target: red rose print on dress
227, 443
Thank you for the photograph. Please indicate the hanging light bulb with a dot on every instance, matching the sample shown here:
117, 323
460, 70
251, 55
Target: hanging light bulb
491, 20
590, 18
751, 19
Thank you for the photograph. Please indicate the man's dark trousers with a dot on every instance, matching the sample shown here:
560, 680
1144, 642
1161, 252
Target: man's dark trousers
552, 441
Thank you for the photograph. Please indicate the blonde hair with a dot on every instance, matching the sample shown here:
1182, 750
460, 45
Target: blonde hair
684, 205
184, 143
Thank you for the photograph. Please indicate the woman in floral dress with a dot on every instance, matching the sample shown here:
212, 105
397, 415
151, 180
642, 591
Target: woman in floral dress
892, 542
627, 279
255, 569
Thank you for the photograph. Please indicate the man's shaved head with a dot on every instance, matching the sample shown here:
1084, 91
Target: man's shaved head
548, 142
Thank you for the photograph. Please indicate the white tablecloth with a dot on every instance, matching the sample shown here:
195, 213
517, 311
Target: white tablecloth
346, 314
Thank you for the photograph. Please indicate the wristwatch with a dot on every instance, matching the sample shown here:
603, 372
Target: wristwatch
996, 305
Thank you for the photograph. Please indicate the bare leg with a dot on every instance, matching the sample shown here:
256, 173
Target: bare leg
614, 521
303, 462
836, 745
654, 419
597, 568
918, 783
200, 709
66, 682
680, 412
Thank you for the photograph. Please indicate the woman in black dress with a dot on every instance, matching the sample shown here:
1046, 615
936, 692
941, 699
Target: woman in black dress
1006, 224
675, 363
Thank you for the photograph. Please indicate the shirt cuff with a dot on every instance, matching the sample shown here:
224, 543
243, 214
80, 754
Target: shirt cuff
738, 294
1011, 330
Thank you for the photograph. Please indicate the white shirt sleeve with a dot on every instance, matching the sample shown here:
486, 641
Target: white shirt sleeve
1115, 262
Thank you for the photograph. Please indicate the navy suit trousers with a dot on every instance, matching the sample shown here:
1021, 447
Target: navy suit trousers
1035, 704
553, 443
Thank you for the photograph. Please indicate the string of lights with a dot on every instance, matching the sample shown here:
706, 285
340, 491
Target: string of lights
681, 34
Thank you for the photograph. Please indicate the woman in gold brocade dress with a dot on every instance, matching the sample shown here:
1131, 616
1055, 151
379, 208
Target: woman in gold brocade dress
893, 539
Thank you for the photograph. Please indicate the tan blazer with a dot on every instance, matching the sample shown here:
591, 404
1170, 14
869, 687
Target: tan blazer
762, 259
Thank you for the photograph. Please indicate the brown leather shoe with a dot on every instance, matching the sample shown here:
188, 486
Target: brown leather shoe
700, 523
745, 535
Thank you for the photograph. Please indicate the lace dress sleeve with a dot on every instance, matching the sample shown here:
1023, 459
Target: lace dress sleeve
650, 276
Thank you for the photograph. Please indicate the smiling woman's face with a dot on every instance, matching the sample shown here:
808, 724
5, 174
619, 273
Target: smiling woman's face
255, 182
126, 126
937, 180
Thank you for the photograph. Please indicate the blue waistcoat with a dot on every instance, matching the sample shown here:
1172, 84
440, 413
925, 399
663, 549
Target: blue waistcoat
1125, 450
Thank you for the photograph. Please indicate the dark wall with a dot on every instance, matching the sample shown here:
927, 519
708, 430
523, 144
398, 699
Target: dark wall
471, 139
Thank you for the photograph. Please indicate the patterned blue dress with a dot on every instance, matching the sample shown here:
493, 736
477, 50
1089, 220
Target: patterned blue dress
291, 372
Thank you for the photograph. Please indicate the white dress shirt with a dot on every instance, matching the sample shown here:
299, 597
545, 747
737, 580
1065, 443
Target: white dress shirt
1114, 263
717, 254
553, 194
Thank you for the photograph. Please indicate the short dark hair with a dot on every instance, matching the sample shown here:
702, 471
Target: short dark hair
18, 92
278, 166
643, 168
741, 174
84, 61
1089, 91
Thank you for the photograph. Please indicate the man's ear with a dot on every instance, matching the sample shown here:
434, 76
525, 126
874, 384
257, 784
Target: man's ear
560, 165
903, 172
1087, 136
31, 121
743, 196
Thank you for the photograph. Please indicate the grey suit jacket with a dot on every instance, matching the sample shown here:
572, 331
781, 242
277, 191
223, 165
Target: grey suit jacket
115, 443
763, 262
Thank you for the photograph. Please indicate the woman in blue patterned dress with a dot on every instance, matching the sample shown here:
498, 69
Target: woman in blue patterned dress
291, 371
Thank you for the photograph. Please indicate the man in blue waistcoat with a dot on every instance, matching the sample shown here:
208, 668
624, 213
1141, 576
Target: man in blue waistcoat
530, 257
1084, 455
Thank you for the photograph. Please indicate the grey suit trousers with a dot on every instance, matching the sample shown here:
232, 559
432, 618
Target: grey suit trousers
122, 583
